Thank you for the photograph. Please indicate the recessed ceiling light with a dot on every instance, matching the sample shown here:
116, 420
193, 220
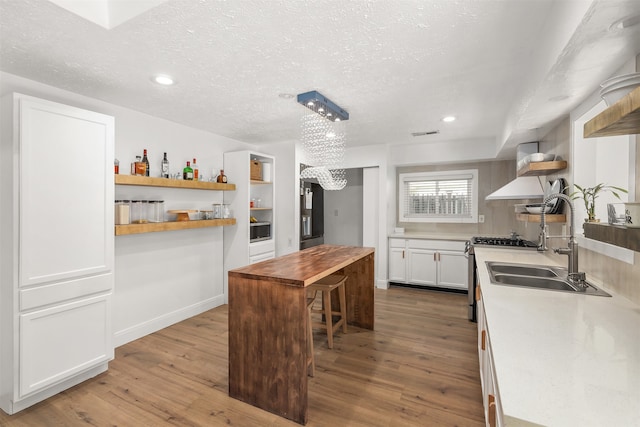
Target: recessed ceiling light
448, 119
163, 79
285, 95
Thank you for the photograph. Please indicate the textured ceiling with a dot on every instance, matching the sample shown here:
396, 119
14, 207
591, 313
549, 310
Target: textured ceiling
397, 66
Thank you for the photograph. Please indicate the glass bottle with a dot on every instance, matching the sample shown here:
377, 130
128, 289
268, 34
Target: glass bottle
222, 177
196, 174
145, 160
187, 172
165, 167
116, 167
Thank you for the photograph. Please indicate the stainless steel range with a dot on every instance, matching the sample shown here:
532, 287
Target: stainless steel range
513, 242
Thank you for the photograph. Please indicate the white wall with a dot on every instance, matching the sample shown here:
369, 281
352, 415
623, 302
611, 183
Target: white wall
160, 278
286, 194
343, 212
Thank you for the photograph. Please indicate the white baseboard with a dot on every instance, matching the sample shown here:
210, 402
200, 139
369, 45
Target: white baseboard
153, 325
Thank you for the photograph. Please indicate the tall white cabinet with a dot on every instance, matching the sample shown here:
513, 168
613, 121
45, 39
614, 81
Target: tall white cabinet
56, 248
239, 249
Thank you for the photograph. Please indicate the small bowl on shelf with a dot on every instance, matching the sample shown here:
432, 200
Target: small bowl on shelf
537, 208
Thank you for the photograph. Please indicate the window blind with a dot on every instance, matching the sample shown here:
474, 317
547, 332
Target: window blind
438, 197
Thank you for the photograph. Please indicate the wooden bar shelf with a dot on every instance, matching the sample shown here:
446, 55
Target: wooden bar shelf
152, 227
549, 219
171, 183
613, 234
542, 168
622, 118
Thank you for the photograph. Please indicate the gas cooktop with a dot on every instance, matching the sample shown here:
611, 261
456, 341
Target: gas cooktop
511, 242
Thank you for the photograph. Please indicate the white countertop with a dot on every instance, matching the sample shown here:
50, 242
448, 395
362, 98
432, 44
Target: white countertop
430, 236
561, 359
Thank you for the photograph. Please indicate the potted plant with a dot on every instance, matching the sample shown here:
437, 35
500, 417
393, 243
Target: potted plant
589, 196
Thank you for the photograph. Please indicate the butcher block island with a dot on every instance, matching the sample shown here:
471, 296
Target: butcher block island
268, 321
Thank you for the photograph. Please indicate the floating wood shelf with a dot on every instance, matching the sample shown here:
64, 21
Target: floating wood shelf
542, 168
527, 217
153, 227
613, 234
622, 118
260, 209
171, 183
258, 182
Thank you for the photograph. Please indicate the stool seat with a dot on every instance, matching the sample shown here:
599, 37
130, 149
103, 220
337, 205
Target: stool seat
326, 285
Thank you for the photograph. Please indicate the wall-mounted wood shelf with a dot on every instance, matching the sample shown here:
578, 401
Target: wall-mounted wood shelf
622, 118
542, 168
171, 183
527, 217
258, 182
613, 234
153, 227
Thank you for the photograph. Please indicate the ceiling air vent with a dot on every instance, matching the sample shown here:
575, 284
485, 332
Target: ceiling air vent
431, 132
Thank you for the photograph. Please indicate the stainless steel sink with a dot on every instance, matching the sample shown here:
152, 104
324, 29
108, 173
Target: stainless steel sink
523, 270
538, 276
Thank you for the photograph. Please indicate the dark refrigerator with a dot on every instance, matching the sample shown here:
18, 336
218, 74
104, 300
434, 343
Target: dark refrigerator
311, 214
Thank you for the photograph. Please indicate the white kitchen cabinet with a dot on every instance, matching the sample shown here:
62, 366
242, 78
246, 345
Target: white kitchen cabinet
490, 396
397, 261
422, 265
56, 248
438, 263
239, 249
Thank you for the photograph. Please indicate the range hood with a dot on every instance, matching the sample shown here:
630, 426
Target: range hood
523, 187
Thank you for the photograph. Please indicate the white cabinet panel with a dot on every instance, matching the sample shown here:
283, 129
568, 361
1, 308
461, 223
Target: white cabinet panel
61, 341
397, 265
40, 296
453, 270
422, 267
63, 192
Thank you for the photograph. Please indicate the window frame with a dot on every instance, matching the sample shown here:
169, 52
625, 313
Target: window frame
452, 175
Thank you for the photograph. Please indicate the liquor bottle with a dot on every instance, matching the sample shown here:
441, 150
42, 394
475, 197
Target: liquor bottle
196, 174
222, 177
165, 167
187, 172
145, 160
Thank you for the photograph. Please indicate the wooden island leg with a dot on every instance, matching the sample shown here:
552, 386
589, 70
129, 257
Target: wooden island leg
268, 346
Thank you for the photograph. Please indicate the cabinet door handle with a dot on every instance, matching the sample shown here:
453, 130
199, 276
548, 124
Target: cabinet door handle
492, 410
403, 254
483, 341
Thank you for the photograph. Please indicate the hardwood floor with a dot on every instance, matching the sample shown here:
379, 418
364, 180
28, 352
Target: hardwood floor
419, 367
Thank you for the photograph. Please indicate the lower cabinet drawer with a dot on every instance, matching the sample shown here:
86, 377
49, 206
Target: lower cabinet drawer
261, 257
61, 341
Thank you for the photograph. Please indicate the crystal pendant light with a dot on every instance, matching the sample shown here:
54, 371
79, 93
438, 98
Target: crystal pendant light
324, 142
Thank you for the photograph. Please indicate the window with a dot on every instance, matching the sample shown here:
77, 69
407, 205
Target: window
448, 196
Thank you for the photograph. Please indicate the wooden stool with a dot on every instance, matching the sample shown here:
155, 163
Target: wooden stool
326, 285
311, 364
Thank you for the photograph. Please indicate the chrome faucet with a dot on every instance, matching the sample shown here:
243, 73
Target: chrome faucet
574, 276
